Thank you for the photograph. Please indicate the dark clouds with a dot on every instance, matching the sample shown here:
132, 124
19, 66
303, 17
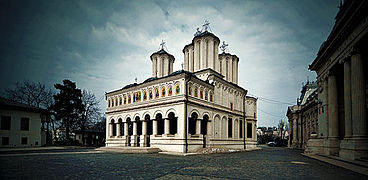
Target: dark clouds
104, 45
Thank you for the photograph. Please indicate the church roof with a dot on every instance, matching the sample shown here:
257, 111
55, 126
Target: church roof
201, 35
162, 51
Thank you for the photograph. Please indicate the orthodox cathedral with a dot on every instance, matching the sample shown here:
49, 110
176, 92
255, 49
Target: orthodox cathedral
183, 111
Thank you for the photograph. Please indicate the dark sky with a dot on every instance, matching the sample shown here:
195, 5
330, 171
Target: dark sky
104, 45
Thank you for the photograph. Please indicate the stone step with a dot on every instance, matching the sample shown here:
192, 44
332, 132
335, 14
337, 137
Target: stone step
130, 150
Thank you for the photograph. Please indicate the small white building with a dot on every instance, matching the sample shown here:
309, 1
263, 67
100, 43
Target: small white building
183, 111
21, 124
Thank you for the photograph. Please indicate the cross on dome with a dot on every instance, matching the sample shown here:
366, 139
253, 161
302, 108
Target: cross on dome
223, 47
162, 45
206, 26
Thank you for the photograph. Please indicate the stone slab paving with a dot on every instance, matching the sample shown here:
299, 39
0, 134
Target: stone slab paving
271, 163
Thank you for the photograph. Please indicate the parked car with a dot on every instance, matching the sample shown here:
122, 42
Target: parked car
272, 144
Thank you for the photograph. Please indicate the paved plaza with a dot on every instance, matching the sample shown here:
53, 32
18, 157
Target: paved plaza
269, 163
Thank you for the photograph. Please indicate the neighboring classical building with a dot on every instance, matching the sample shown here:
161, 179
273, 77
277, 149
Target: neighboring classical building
303, 117
183, 111
21, 124
92, 137
341, 66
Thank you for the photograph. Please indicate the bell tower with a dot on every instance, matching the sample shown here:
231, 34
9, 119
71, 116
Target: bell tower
162, 62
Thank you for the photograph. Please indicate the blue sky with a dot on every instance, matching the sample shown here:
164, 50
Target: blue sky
104, 45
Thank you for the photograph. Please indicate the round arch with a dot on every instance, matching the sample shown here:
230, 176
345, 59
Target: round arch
169, 111
136, 115
126, 117
196, 111
157, 112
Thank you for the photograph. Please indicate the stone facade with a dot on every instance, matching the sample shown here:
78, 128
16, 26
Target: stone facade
341, 66
303, 117
199, 106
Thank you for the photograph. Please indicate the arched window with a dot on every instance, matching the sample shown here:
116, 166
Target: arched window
220, 66
201, 93
157, 94
177, 88
109, 103
190, 90
173, 123
163, 91
125, 99
129, 99
206, 95
112, 102
230, 128
144, 95
211, 96
150, 94
120, 100
193, 123
196, 91
170, 90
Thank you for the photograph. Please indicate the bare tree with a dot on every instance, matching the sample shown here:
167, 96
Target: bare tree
91, 112
31, 93
281, 127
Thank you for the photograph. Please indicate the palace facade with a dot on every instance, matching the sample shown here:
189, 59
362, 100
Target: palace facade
186, 110
341, 67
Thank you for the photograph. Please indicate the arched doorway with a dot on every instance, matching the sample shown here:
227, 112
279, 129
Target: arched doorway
193, 123
121, 126
113, 125
130, 131
148, 120
204, 123
139, 130
160, 124
173, 123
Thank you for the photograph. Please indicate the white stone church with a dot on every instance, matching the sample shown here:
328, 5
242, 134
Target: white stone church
184, 111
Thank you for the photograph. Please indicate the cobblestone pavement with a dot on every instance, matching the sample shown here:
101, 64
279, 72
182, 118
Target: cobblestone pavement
270, 163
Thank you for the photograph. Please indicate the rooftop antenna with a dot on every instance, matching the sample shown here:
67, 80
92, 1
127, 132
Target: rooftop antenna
136, 80
163, 45
223, 47
206, 26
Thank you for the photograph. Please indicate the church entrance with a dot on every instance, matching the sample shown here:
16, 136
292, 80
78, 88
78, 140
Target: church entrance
147, 118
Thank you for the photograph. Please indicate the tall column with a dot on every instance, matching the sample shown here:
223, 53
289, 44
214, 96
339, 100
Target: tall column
332, 107
154, 127
347, 98
295, 131
118, 131
167, 126
144, 128
126, 129
111, 126
198, 127
135, 128
358, 97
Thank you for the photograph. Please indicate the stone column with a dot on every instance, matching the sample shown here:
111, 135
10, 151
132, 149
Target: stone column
118, 131
135, 128
154, 127
358, 97
144, 128
198, 127
111, 126
347, 98
167, 126
332, 107
126, 129
295, 131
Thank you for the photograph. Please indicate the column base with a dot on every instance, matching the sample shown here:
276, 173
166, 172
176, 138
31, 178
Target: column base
135, 141
127, 140
354, 148
294, 144
144, 140
332, 146
314, 146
